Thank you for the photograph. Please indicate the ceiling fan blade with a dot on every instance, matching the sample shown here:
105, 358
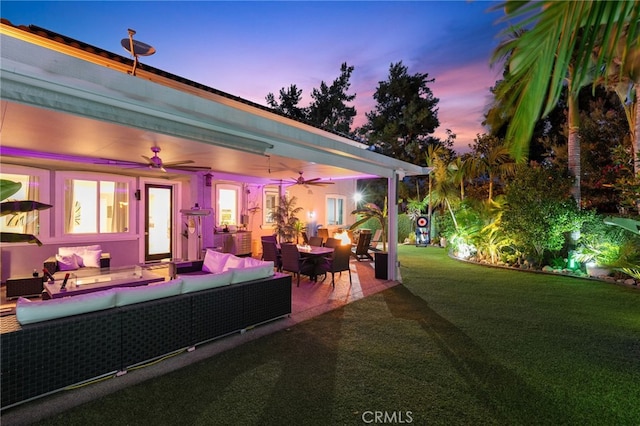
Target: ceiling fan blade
149, 161
121, 163
321, 183
312, 180
190, 168
177, 163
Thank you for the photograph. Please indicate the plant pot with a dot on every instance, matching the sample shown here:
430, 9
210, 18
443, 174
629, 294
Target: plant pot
597, 271
381, 269
443, 242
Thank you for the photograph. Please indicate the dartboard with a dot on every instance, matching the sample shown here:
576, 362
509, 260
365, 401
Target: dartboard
422, 221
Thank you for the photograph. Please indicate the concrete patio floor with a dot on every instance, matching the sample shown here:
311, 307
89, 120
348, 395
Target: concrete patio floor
310, 299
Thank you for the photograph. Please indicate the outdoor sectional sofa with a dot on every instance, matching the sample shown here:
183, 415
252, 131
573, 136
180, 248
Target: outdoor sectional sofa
125, 327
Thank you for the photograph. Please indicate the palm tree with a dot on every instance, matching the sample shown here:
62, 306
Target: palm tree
286, 222
444, 190
564, 34
459, 173
625, 82
435, 154
496, 162
369, 211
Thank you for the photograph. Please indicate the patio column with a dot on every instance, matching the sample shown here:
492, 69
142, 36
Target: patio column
392, 226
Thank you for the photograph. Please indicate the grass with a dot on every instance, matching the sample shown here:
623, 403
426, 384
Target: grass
457, 344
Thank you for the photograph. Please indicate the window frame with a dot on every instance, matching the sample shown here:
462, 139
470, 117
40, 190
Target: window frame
343, 218
268, 191
44, 196
60, 182
238, 191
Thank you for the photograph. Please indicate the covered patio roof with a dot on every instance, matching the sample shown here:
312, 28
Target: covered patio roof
76, 102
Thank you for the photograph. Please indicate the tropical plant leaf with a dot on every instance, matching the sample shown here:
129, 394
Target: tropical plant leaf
10, 237
559, 35
8, 188
11, 207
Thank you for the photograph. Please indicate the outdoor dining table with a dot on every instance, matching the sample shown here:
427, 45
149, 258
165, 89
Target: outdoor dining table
315, 254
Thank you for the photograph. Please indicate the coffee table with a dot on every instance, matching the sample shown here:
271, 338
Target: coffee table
130, 276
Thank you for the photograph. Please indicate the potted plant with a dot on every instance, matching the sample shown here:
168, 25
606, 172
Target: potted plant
372, 211
598, 257
286, 222
369, 211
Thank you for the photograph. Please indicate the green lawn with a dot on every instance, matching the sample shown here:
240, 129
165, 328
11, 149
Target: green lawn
457, 344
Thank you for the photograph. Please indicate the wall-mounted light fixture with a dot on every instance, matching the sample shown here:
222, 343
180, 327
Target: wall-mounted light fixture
208, 178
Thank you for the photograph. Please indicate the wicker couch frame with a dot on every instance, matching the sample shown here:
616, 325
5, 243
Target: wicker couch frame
45, 357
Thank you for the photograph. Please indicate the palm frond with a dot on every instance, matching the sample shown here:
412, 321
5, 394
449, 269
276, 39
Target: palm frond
561, 35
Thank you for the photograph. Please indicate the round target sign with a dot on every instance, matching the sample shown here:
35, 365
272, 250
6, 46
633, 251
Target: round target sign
422, 222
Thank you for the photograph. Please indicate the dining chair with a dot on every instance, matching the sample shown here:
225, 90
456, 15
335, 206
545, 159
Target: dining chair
333, 242
270, 253
315, 241
323, 233
293, 262
305, 238
271, 238
339, 262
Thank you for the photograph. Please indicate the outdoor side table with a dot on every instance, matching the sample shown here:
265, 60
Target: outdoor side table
24, 286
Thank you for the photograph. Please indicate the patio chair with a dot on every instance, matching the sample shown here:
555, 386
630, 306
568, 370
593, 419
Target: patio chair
323, 233
270, 238
362, 249
338, 262
375, 240
333, 242
315, 241
292, 262
270, 253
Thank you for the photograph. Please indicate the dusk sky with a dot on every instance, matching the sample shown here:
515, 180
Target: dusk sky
249, 49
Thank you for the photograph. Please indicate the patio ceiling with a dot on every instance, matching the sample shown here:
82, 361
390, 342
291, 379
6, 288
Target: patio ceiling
65, 108
62, 141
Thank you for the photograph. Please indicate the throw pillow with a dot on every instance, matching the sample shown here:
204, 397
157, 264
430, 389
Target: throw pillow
91, 258
79, 251
233, 262
67, 263
214, 261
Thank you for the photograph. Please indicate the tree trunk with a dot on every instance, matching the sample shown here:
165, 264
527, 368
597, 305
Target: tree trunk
635, 138
429, 207
573, 146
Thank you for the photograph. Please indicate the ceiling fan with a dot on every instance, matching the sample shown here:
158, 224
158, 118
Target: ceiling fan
306, 182
156, 162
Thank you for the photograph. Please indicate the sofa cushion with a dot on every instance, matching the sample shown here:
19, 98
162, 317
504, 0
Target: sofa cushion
80, 251
233, 262
214, 261
28, 312
191, 283
130, 295
69, 262
249, 273
91, 258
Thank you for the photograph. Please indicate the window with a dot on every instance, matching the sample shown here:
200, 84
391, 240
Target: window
336, 210
271, 197
227, 204
24, 222
96, 206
